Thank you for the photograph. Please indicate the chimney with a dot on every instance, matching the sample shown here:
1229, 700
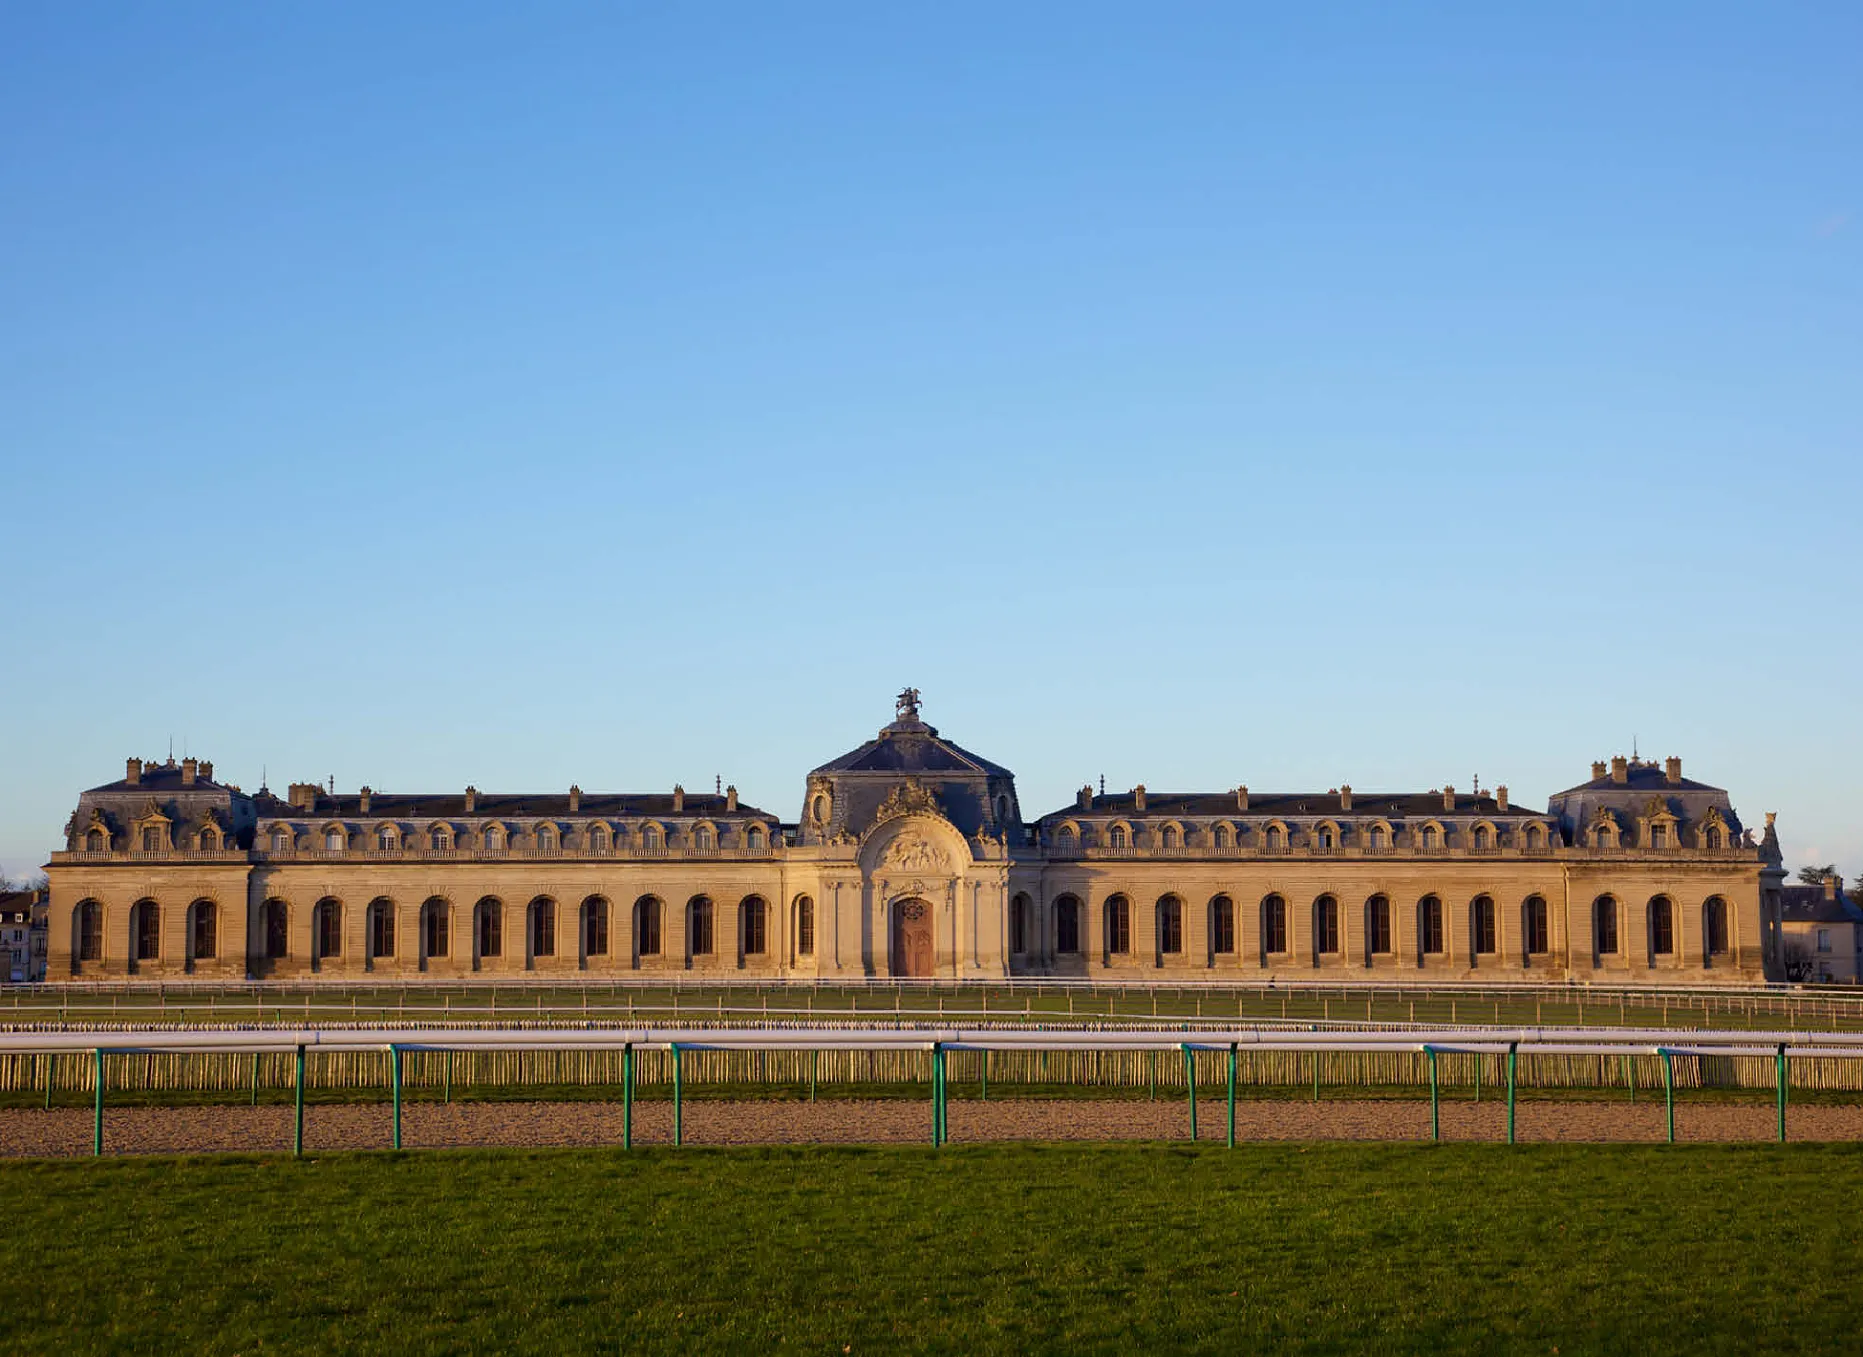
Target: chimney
1672, 771
575, 799
366, 794
189, 770
206, 772
1830, 886
472, 799
303, 795
1242, 797
1448, 798
1084, 797
679, 798
1620, 770
132, 772
1597, 769
1345, 796
730, 798
1138, 797
1500, 797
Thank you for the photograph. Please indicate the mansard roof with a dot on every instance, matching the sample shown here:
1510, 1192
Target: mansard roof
157, 778
1808, 905
911, 746
505, 806
1644, 776
1289, 805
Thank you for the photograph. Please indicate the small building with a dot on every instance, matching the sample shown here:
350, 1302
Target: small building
1822, 930
22, 936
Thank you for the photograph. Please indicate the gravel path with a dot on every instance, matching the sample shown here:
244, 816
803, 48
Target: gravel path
191, 1130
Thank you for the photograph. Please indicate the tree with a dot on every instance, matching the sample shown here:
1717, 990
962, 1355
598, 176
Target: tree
30, 883
1814, 876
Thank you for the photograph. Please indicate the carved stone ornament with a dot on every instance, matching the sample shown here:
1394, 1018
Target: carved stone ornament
914, 853
912, 911
908, 798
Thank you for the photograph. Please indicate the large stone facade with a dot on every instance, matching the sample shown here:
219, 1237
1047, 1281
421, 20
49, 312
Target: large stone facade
912, 858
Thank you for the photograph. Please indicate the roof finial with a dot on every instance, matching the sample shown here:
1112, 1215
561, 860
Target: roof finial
1102, 784
1634, 756
906, 705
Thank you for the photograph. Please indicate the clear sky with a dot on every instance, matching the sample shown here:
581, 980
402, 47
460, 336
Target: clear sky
424, 394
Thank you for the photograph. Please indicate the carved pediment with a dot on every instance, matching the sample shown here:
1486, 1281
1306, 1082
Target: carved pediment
910, 797
915, 853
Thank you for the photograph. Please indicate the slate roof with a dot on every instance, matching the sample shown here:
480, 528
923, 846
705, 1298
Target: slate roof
1322, 805
1642, 777
910, 746
159, 777
496, 806
1807, 905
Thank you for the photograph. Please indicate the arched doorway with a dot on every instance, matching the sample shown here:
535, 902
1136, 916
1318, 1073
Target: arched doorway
912, 939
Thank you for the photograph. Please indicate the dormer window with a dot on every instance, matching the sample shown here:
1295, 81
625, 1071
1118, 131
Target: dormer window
1275, 840
1714, 840
1533, 838
650, 838
1171, 838
753, 838
1429, 838
385, 840
1324, 841
1482, 838
1222, 838
702, 839
210, 839
598, 839
1375, 838
546, 839
335, 840
281, 841
1659, 836
443, 840
1116, 838
97, 841
151, 840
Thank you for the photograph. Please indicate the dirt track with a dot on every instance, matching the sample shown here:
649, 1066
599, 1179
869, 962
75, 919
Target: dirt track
189, 1130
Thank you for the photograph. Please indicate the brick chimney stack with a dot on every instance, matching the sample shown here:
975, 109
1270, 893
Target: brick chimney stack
730, 798
1138, 797
1830, 886
1345, 796
1500, 797
472, 799
1083, 799
1672, 771
1620, 770
132, 772
575, 799
366, 794
190, 769
206, 771
1242, 797
1597, 769
1449, 798
679, 798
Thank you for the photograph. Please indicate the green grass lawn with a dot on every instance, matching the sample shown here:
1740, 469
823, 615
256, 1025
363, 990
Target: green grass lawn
1078, 1248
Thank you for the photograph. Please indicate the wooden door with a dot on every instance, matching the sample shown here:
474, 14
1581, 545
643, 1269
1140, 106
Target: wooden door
912, 939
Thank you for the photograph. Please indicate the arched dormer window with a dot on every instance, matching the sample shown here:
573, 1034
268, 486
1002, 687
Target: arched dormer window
1274, 839
1378, 838
1535, 838
1431, 838
281, 840
546, 838
1118, 838
598, 838
753, 838
96, 841
1326, 838
1067, 839
335, 840
704, 839
494, 838
387, 839
1484, 839
210, 839
1223, 836
1711, 840
1168, 838
441, 836
652, 838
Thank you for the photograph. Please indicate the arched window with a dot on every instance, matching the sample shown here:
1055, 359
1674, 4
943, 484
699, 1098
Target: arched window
145, 931
151, 840
1222, 926
1273, 926
598, 838
335, 840
203, 931
1714, 926
1535, 839
594, 926
381, 928
385, 840
1430, 926
546, 838
281, 841
435, 930
1376, 839
651, 838
1067, 926
1481, 926
275, 928
1066, 841
699, 926
702, 840
1430, 838
1223, 838
494, 838
327, 930
1170, 838
1378, 926
1170, 926
543, 926
97, 842
442, 839
1659, 836
752, 935
1662, 928
1534, 927
210, 840
1118, 925
87, 931
1604, 926
1323, 839
753, 839
647, 926
1325, 926
805, 926
1712, 839
1116, 838
1484, 838
488, 924
1275, 840
1019, 925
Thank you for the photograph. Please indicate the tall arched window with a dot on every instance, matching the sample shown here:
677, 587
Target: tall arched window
753, 935
702, 839
1222, 926
651, 839
1223, 838
381, 928
1066, 841
1714, 926
145, 929
1604, 926
1430, 926
753, 839
546, 838
87, 931
805, 926
1325, 926
1534, 926
1118, 925
699, 926
1376, 840
275, 928
1430, 838
1273, 926
327, 930
1116, 838
335, 840
1712, 840
1484, 838
1067, 926
1481, 929
1169, 837
598, 838
1019, 925
203, 931
386, 839
96, 841
488, 925
543, 926
1274, 840
1378, 927
646, 926
1170, 926
281, 841
1662, 928
435, 928
1535, 839
151, 840
594, 926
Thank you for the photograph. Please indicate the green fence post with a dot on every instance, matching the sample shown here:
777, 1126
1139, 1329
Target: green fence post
1782, 1093
1668, 1090
934, 1094
297, 1125
627, 1096
394, 1081
679, 1110
1190, 1087
1232, 1095
1436, 1117
1513, 1053
97, 1119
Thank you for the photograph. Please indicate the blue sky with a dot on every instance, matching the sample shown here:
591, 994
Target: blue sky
1190, 394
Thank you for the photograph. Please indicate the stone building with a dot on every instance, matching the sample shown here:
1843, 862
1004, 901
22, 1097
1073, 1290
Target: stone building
1823, 934
912, 857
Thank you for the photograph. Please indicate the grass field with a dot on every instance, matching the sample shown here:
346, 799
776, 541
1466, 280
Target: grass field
1096, 1248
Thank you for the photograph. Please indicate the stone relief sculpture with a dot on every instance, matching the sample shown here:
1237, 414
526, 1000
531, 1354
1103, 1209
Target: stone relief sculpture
913, 853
